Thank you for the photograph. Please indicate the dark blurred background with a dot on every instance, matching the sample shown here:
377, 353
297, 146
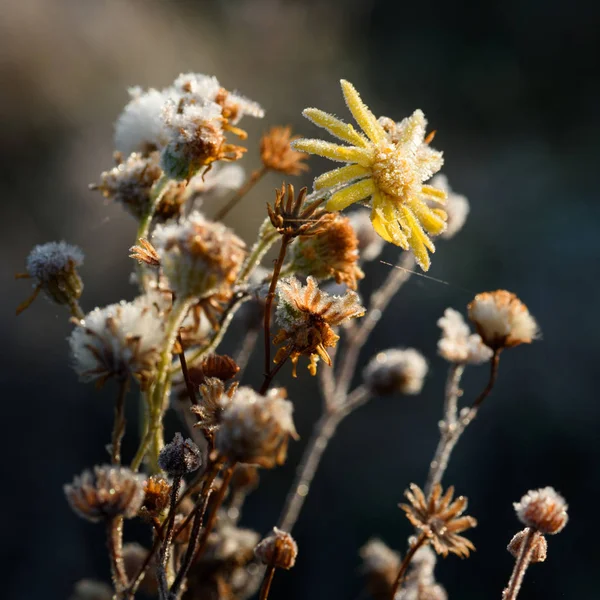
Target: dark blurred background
512, 88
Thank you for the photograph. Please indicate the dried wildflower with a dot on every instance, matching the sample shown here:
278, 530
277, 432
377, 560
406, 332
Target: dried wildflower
212, 404
370, 244
306, 316
172, 202
539, 546
106, 493
220, 366
134, 557
396, 370
277, 154
198, 257
277, 550
145, 253
53, 267
380, 565
456, 207
332, 253
117, 341
180, 457
544, 510
387, 166
502, 320
88, 589
156, 496
439, 518
255, 429
130, 182
458, 344
292, 218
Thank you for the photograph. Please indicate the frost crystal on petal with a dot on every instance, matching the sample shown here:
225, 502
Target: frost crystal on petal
458, 344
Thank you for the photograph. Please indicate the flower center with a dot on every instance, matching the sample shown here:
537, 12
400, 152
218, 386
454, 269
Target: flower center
394, 173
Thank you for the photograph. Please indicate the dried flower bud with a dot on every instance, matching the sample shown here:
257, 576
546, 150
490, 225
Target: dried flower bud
458, 344
539, 545
88, 589
219, 366
255, 429
544, 510
370, 244
145, 253
180, 457
156, 495
277, 550
212, 404
134, 557
106, 493
396, 370
456, 207
277, 154
332, 253
198, 257
502, 320
53, 266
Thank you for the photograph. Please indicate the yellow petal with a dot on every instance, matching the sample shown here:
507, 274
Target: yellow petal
350, 154
433, 220
349, 195
384, 218
341, 175
341, 130
434, 194
361, 113
417, 239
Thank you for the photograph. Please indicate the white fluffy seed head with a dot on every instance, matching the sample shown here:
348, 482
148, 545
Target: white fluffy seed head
457, 206
458, 344
544, 510
396, 370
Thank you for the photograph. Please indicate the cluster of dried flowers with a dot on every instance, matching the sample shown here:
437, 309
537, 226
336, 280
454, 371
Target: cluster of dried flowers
196, 277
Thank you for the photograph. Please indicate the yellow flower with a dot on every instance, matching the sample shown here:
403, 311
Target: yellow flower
388, 163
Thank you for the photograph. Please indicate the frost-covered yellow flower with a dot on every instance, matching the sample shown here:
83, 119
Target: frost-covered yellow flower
388, 164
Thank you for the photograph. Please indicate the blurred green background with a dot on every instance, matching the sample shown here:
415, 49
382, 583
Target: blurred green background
511, 87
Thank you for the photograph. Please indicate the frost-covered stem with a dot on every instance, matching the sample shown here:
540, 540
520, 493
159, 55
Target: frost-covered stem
377, 304
255, 177
422, 539
168, 537
75, 309
521, 564
114, 536
119, 422
267, 236
185, 372
266, 586
285, 242
156, 194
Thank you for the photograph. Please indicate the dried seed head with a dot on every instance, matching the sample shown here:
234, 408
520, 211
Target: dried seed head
440, 519
256, 429
306, 316
198, 257
380, 565
396, 371
458, 344
106, 493
277, 154
214, 401
145, 253
88, 589
180, 457
539, 545
53, 267
456, 207
117, 341
219, 366
134, 557
370, 244
502, 320
277, 550
230, 544
156, 496
332, 253
544, 510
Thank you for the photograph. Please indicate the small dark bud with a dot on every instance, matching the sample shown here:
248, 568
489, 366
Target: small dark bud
180, 457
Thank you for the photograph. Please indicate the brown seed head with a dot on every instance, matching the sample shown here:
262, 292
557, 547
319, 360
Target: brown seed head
544, 510
277, 154
106, 493
180, 457
214, 400
221, 367
145, 253
440, 519
156, 496
277, 550
539, 545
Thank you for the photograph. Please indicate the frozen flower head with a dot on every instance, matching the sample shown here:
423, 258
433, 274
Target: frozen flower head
106, 493
331, 253
256, 429
396, 370
539, 546
388, 164
130, 182
180, 457
140, 127
370, 244
457, 206
279, 549
306, 316
198, 257
157, 492
458, 344
277, 154
119, 340
544, 510
380, 564
502, 320
53, 267
214, 400
440, 519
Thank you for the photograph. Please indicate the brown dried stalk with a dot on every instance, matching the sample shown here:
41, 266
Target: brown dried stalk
422, 539
521, 564
119, 422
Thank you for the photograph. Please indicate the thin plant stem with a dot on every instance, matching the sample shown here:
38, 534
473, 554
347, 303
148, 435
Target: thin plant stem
75, 309
165, 548
247, 348
185, 372
267, 236
422, 539
271, 374
119, 422
139, 576
114, 536
521, 565
255, 177
266, 586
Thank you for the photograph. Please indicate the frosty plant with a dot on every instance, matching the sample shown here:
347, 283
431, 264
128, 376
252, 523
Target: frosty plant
177, 175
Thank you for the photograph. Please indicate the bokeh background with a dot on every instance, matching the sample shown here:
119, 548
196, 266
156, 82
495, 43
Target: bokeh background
512, 88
